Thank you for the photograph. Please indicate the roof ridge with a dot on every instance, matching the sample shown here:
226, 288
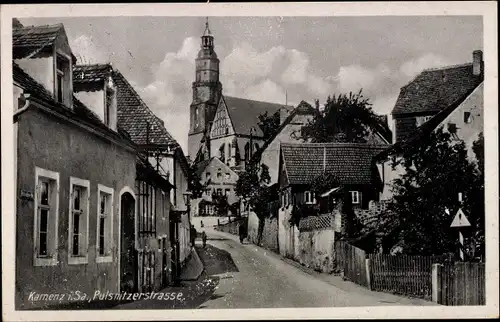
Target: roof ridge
248, 99
326, 144
92, 65
446, 67
59, 24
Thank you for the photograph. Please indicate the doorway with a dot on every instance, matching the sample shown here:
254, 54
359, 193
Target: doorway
128, 255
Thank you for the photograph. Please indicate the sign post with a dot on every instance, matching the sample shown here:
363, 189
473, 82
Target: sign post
460, 221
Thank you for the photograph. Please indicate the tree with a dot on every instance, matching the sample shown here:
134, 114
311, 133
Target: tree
345, 118
221, 204
476, 240
426, 195
269, 124
252, 186
194, 182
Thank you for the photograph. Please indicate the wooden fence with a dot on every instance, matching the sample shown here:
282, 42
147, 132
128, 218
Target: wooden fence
461, 283
402, 274
352, 261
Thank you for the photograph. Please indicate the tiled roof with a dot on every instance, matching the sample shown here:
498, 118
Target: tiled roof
134, 116
423, 131
30, 40
79, 111
351, 163
244, 113
435, 89
86, 77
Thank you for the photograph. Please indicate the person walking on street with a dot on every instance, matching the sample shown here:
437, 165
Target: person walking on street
193, 235
241, 232
204, 239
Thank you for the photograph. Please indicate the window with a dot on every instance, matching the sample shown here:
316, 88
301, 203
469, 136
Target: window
247, 151
228, 176
219, 174
196, 116
46, 217
104, 224
78, 221
222, 154
62, 80
467, 118
207, 192
310, 197
207, 175
147, 208
422, 119
355, 197
219, 192
227, 192
283, 200
286, 198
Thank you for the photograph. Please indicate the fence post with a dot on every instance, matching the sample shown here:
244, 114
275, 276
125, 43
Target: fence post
368, 277
436, 282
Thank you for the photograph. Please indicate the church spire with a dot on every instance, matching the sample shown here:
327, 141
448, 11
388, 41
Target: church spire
207, 31
207, 40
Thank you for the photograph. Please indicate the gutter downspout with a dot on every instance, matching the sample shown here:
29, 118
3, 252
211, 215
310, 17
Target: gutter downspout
27, 104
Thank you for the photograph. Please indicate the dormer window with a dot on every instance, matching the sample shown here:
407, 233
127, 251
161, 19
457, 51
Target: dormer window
63, 80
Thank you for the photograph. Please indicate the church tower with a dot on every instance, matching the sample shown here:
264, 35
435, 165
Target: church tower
206, 92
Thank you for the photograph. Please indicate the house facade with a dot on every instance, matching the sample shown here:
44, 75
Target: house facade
453, 98
353, 166
73, 173
218, 179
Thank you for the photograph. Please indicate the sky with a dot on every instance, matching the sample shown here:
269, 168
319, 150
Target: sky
275, 59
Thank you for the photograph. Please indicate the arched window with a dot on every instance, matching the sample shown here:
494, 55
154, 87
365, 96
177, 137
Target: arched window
222, 154
196, 116
229, 152
247, 151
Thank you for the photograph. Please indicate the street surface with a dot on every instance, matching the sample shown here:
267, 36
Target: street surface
252, 277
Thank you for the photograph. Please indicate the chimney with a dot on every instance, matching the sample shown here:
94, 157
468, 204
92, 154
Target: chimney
477, 63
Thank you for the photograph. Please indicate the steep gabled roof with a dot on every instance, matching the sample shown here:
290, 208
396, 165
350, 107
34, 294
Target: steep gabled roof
351, 163
79, 112
302, 109
244, 113
435, 89
30, 40
134, 116
423, 131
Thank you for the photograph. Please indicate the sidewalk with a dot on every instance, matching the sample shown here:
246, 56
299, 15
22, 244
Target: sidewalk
348, 286
194, 267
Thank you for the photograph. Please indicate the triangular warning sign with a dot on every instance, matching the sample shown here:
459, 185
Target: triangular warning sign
460, 220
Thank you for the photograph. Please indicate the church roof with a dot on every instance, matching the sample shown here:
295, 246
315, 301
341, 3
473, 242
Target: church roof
244, 113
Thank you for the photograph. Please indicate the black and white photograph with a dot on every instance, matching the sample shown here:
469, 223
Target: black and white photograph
234, 161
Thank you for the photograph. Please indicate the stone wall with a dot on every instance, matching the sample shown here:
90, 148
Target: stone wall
288, 235
253, 227
317, 249
270, 234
